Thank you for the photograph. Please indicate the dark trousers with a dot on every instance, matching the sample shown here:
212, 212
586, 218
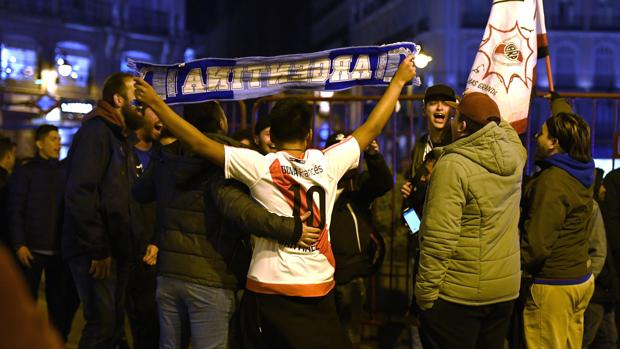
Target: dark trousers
449, 325
350, 300
103, 302
60, 293
275, 321
142, 307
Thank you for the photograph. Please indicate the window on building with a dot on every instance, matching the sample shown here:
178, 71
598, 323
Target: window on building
77, 72
566, 63
604, 69
136, 56
17, 63
566, 12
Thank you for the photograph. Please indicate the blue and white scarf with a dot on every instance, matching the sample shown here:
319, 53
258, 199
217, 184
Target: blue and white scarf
252, 77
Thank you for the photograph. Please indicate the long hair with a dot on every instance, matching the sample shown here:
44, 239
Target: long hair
573, 134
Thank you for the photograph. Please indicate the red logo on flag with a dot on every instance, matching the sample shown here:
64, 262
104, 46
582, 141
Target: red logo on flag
508, 53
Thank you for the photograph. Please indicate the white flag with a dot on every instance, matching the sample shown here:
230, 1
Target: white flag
504, 64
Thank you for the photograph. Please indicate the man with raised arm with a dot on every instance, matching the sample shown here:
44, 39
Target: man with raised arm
288, 279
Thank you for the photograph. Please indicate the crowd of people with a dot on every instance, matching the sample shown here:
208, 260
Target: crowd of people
260, 241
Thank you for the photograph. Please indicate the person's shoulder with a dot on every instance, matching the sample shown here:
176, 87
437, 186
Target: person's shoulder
614, 175
350, 141
555, 179
94, 126
453, 165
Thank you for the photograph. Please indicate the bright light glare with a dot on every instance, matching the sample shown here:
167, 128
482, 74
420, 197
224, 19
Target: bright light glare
53, 115
64, 70
422, 60
324, 107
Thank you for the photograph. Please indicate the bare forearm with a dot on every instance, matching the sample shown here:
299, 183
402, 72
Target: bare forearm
383, 110
381, 113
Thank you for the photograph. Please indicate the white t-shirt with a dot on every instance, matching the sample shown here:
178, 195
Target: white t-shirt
284, 185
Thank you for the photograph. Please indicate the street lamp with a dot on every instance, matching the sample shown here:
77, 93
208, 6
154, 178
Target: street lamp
64, 68
422, 60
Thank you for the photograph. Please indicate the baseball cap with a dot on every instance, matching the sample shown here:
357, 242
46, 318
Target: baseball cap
478, 107
439, 92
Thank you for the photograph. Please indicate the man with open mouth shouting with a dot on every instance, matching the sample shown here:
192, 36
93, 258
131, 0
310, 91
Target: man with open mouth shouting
437, 113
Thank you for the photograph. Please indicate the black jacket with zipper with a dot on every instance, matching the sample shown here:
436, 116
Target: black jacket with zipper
351, 223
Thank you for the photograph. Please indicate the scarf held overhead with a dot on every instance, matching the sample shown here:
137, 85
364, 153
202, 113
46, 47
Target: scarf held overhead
253, 77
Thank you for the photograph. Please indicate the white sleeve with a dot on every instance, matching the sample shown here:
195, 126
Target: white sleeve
342, 157
244, 165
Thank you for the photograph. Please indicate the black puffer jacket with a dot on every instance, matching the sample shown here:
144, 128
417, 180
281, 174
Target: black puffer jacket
35, 198
195, 242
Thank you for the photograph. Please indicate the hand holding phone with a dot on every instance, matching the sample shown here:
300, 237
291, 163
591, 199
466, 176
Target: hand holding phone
412, 220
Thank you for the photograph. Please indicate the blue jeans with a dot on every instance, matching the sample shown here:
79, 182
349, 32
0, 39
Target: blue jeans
209, 310
103, 302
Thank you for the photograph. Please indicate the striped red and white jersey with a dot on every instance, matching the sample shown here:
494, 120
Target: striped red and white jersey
290, 186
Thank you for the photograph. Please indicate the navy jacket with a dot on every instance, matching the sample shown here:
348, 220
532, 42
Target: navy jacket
100, 217
35, 204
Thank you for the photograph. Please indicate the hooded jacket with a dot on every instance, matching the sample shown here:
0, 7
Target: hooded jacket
100, 218
557, 208
469, 234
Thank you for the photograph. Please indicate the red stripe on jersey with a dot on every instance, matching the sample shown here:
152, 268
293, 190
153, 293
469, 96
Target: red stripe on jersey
337, 144
290, 188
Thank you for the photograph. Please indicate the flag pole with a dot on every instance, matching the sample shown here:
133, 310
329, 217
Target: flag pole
549, 76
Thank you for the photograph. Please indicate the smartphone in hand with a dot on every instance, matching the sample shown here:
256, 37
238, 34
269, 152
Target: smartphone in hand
412, 220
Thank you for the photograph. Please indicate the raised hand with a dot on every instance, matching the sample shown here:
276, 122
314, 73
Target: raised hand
145, 92
406, 71
373, 148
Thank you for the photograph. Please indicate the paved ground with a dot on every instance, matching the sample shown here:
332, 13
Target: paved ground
393, 334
